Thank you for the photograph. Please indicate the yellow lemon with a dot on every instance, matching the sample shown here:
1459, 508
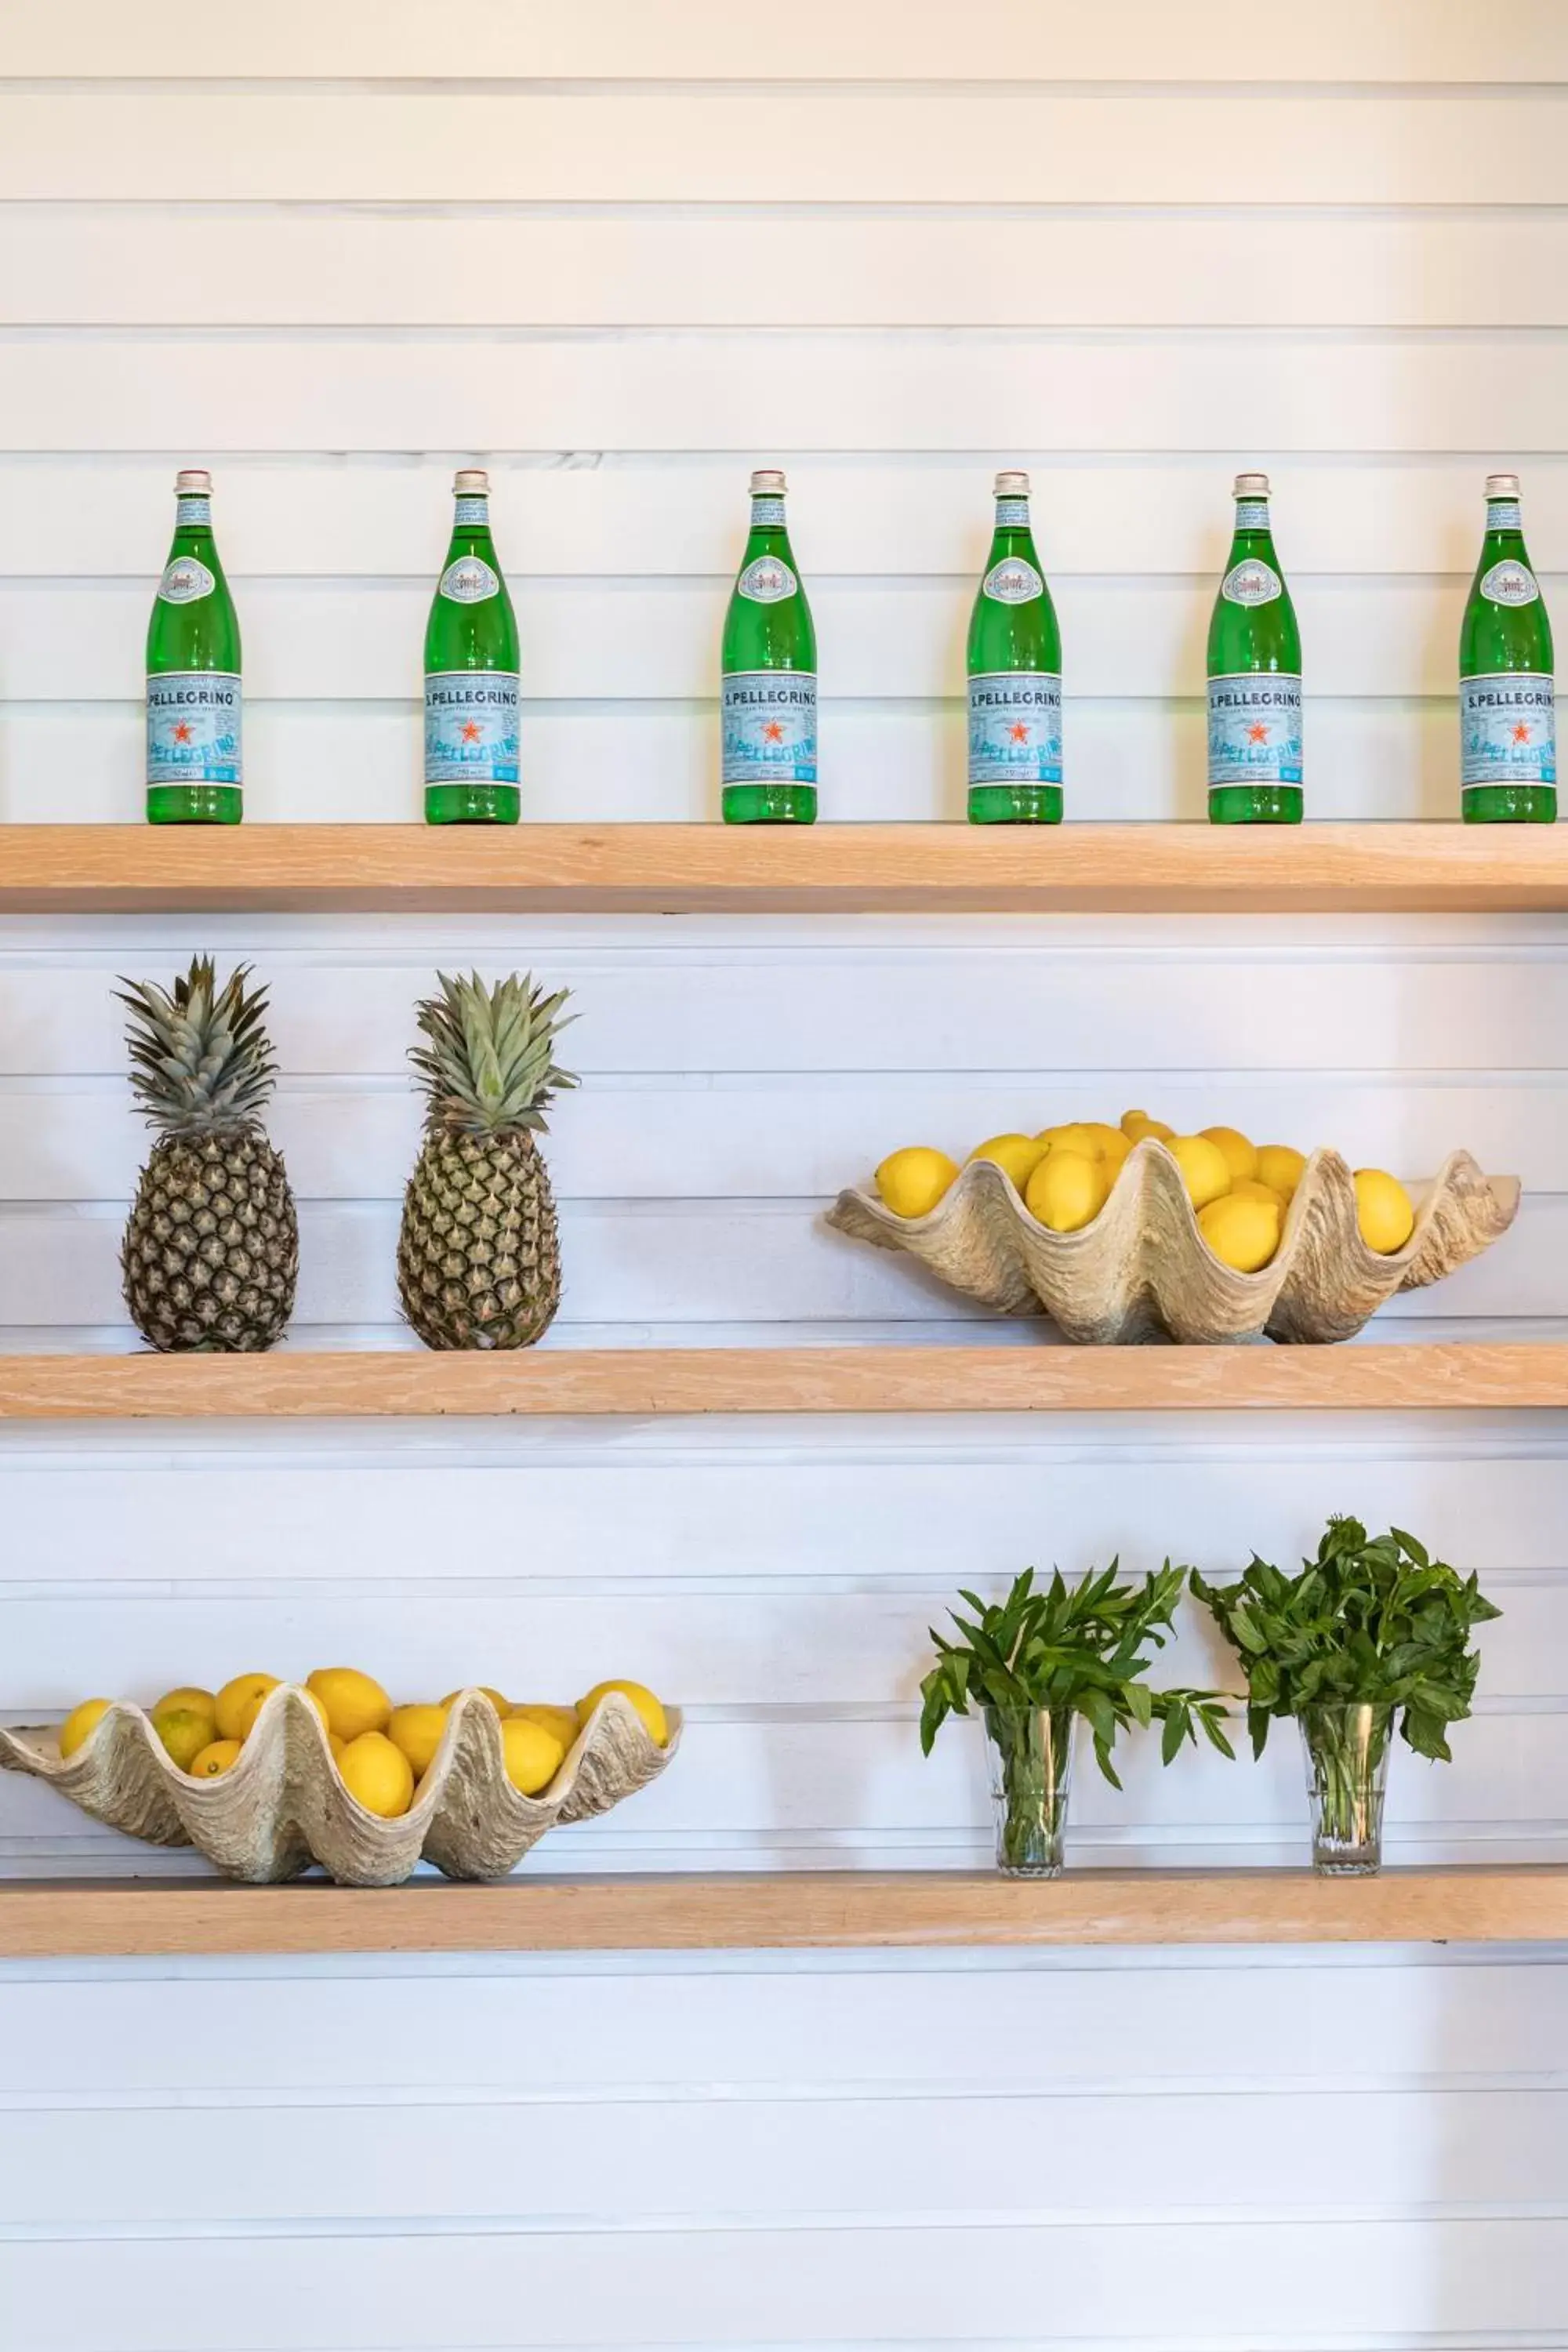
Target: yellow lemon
417, 1731
1252, 1188
533, 1754
913, 1181
1137, 1124
1117, 1146
232, 1702
248, 1720
501, 1706
336, 1745
1383, 1211
184, 1732
1106, 1138
1080, 1137
643, 1699
1242, 1232
355, 1703
1240, 1156
561, 1720
1066, 1191
81, 1723
1205, 1171
1017, 1155
1281, 1166
378, 1774
191, 1697
214, 1759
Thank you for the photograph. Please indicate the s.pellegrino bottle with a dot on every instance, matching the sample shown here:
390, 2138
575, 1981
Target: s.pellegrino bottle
1014, 677
194, 768
471, 675
1254, 676
1508, 731
769, 697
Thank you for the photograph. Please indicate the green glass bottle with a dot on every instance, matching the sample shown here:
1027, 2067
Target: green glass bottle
769, 701
471, 675
1508, 725
195, 767
1015, 676
1254, 676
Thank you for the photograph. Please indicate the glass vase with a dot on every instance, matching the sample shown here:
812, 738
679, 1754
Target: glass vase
1030, 1754
1346, 1753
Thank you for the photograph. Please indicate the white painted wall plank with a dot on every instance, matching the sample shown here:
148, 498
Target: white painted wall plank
1221, 389
1425, 41
1018, 142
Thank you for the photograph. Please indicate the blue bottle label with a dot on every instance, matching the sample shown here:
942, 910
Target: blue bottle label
469, 581
767, 580
193, 728
470, 727
1014, 581
185, 581
1015, 728
770, 726
1255, 728
1509, 583
1508, 728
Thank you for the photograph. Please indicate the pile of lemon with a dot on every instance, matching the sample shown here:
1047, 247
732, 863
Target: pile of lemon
382, 1751
1064, 1177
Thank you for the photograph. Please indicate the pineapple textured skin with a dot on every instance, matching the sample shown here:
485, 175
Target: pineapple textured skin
211, 1255
479, 1257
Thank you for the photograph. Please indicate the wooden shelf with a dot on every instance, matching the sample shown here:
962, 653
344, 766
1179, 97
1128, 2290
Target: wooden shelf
794, 1911
1411, 1377
844, 868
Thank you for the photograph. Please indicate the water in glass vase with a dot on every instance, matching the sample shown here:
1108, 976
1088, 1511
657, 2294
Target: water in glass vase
1015, 676
195, 767
1508, 736
471, 675
1254, 676
769, 661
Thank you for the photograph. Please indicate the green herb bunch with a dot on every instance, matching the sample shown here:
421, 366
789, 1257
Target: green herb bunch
1072, 1649
1372, 1620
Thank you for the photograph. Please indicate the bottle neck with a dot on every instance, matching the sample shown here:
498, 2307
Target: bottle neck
192, 523
1505, 527
471, 526
1253, 532
1012, 534
769, 532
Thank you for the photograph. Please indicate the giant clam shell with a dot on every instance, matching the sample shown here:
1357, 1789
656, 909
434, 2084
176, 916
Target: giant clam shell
1142, 1270
281, 1805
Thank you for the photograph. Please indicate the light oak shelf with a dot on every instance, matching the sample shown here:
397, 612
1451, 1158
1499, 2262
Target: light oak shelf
825, 869
816, 1911
1412, 1377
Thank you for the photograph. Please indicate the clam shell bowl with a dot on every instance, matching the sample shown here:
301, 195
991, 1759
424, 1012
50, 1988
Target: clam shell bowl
1142, 1270
281, 1806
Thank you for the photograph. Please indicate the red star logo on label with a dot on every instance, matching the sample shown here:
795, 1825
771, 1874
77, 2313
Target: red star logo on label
182, 732
1258, 732
1018, 732
1521, 732
772, 732
472, 730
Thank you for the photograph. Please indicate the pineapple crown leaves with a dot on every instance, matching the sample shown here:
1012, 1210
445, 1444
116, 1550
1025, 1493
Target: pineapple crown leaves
200, 1056
489, 1064
1072, 1649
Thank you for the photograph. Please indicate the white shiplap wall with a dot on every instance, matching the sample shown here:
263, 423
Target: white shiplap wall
610, 254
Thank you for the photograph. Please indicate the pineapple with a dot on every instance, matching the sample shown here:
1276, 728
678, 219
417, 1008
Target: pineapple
478, 1261
212, 1249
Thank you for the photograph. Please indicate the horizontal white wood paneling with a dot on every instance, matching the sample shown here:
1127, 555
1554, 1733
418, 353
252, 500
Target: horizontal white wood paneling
1420, 41
621, 254
921, 2284
1224, 389
583, 515
1006, 143
642, 265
